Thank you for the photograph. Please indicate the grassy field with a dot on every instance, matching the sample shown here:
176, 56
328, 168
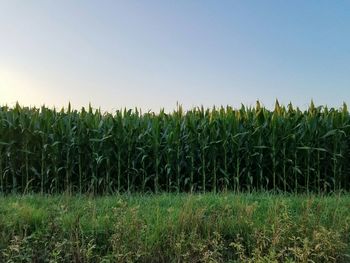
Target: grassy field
187, 186
175, 228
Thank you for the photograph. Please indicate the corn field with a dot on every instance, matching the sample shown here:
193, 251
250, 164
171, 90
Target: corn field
45, 150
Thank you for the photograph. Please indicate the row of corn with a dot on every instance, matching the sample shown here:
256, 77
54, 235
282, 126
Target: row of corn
220, 149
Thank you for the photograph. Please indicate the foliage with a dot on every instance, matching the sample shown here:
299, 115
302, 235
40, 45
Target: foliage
175, 228
247, 149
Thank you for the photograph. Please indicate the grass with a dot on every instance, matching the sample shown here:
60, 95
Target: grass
175, 228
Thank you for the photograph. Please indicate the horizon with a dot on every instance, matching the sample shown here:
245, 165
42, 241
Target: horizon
179, 105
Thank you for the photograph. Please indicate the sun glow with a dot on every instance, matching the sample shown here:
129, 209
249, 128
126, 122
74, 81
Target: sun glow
17, 87
7, 87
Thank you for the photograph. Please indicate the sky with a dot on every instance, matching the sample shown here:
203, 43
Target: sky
154, 54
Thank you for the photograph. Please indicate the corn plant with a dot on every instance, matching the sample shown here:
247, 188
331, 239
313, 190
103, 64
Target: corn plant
286, 149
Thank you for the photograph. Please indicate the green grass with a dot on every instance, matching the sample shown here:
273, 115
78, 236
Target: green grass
175, 228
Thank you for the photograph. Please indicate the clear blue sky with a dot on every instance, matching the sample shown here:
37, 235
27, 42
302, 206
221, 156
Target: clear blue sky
151, 54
